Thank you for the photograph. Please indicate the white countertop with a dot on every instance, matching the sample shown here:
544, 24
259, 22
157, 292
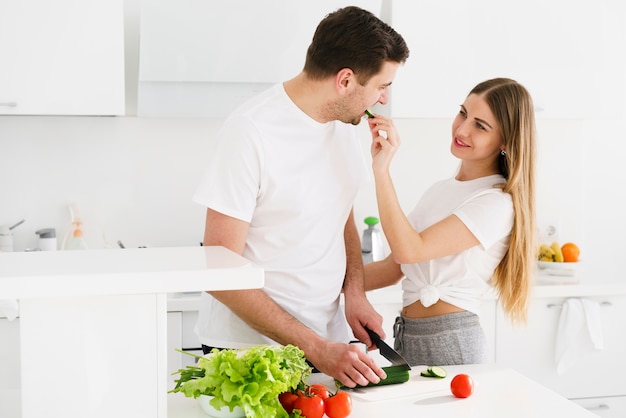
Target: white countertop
585, 287
499, 392
124, 271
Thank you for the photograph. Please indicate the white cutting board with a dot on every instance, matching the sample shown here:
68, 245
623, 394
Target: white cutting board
416, 386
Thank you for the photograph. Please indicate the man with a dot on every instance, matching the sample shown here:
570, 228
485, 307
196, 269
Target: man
279, 190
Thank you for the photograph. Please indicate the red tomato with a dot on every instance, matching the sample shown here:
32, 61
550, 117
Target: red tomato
462, 385
311, 406
339, 405
287, 400
318, 390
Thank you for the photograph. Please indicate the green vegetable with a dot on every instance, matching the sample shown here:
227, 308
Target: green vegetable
395, 374
369, 114
434, 371
251, 378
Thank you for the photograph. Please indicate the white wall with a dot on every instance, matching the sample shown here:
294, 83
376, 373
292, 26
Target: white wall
133, 177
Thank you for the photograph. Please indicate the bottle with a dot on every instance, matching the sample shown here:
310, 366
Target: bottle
372, 242
74, 239
47, 239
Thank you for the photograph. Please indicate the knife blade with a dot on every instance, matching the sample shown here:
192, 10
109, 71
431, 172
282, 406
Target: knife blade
386, 351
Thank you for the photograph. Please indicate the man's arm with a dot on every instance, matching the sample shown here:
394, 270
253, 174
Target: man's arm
345, 362
359, 311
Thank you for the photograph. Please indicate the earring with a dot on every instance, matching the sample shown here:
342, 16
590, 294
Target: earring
503, 153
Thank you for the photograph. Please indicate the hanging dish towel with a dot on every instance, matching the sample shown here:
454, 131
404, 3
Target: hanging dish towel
579, 332
9, 308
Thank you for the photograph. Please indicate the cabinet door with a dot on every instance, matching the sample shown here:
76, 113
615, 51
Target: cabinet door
565, 52
531, 350
609, 407
62, 57
9, 354
174, 341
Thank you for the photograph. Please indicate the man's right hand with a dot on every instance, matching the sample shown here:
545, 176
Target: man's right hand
347, 363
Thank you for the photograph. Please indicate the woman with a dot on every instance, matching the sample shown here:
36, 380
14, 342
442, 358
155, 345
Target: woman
467, 233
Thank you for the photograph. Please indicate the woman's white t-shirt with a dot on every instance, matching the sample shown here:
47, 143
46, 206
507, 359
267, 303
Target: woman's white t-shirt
294, 180
461, 279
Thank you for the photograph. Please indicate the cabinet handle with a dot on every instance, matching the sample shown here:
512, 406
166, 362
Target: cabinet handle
599, 407
560, 305
8, 104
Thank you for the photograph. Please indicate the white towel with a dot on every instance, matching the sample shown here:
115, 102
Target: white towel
9, 308
579, 332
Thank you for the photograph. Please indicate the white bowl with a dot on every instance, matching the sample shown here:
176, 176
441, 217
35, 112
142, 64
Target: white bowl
224, 412
558, 268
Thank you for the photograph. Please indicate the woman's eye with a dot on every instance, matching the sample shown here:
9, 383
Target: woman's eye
462, 113
480, 126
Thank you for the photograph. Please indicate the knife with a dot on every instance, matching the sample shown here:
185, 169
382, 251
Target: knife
386, 351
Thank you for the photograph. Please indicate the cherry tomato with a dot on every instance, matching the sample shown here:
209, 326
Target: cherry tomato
462, 385
318, 390
311, 406
338, 405
287, 400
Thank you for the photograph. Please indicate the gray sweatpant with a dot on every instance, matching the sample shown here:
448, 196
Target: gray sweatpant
455, 338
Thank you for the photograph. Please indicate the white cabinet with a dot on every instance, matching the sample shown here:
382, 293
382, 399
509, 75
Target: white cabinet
181, 336
608, 407
62, 57
9, 355
531, 350
203, 58
554, 48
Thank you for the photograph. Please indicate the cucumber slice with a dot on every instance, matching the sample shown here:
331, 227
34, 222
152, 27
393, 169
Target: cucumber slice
437, 371
426, 373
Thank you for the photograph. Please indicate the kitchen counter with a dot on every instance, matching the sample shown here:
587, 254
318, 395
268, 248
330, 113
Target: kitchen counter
93, 324
190, 301
499, 392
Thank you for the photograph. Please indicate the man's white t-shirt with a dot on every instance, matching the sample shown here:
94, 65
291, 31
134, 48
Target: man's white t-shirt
461, 279
294, 180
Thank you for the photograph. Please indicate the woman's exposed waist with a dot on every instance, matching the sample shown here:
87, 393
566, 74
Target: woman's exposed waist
417, 310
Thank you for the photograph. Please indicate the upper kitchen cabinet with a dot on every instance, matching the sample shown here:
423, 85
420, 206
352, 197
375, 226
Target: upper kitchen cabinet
570, 54
202, 58
62, 57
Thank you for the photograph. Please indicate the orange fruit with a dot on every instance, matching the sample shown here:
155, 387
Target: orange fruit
571, 252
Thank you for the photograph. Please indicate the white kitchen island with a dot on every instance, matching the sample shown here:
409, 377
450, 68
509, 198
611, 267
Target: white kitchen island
499, 392
93, 324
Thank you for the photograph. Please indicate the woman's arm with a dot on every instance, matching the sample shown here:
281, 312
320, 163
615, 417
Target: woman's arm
382, 273
446, 237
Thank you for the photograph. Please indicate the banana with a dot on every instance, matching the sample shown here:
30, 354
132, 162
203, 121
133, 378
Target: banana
558, 254
546, 253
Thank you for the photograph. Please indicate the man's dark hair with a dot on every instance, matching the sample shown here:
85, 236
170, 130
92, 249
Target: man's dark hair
353, 38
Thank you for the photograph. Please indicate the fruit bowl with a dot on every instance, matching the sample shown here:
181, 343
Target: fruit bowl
555, 268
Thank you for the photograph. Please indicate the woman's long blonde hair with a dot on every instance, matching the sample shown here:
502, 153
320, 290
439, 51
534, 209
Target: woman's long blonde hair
512, 106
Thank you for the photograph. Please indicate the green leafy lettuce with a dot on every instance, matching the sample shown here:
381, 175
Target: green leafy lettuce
251, 378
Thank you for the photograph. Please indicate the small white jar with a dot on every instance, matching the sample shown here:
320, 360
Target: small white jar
47, 239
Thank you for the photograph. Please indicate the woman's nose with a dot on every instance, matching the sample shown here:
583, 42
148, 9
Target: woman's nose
462, 129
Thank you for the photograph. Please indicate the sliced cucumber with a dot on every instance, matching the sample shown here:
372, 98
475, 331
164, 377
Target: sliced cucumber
426, 373
437, 371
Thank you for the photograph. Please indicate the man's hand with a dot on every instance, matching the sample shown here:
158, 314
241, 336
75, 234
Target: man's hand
347, 363
360, 313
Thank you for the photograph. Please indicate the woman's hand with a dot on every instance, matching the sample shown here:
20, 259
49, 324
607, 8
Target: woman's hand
385, 142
